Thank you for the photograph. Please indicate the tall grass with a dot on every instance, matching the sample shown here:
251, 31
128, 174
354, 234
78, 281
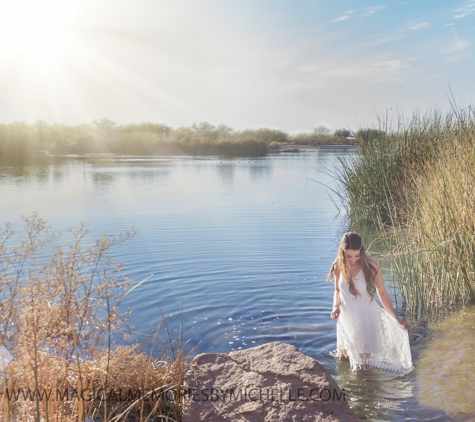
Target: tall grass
416, 184
384, 173
59, 317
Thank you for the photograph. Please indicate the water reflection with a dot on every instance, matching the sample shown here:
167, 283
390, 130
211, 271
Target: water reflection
25, 173
439, 389
259, 169
446, 367
156, 174
226, 171
103, 177
374, 395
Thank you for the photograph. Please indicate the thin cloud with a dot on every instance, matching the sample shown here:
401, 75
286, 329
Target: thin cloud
349, 12
458, 46
341, 18
420, 25
385, 40
391, 65
466, 10
459, 50
372, 10
311, 29
332, 72
459, 57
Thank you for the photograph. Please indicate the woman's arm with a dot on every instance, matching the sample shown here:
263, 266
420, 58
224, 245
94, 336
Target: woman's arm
336, 296
384, 297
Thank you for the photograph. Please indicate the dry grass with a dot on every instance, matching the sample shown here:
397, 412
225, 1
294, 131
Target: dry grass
416, 184
58, 313
436, 244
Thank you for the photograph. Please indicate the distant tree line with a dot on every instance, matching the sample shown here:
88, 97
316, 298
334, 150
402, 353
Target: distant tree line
19, 139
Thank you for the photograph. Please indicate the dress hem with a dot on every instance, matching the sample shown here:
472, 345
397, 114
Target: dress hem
368, 364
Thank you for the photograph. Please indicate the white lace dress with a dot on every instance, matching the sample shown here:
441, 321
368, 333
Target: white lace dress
369, 335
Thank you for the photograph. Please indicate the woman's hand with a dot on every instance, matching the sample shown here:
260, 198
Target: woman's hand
335, 312
403, 323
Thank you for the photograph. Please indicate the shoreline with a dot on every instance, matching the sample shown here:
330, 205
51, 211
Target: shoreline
177, 152
323, 146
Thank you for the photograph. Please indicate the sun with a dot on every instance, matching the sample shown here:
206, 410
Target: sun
35, 28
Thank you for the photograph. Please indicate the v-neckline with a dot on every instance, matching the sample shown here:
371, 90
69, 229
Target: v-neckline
358, 273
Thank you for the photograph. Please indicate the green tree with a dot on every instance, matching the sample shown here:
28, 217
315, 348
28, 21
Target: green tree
105, 124
205, 131
322, 131
342, 133
224, 131
265, 134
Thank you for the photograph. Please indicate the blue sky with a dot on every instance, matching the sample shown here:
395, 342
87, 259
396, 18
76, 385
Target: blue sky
291, 65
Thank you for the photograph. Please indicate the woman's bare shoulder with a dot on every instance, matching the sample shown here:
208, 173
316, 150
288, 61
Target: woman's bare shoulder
336, 268
374, 266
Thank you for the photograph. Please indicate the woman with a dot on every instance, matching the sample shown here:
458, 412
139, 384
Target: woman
371, 337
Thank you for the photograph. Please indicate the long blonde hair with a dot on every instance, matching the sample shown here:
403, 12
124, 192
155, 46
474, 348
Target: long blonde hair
352, 240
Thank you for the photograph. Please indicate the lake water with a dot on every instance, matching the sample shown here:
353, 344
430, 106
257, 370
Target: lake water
239, 250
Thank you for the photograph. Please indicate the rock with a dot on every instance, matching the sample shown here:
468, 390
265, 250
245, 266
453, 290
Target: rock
272, 382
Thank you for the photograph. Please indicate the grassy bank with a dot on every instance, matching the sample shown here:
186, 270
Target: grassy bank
19, 139
415, 183
60, 319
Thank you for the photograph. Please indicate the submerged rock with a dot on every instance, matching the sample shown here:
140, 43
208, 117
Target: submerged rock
272, 382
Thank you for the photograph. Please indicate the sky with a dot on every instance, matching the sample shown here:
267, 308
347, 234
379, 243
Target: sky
291, 65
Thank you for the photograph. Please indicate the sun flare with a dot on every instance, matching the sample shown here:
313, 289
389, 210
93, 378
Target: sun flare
36, 29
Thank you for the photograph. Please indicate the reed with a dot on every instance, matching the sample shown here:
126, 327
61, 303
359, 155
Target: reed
384, 171
59, 317
415, 184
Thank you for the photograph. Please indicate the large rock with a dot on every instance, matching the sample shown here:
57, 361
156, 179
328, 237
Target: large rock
272, 382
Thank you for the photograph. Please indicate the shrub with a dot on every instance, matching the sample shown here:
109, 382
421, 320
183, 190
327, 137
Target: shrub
58, 316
